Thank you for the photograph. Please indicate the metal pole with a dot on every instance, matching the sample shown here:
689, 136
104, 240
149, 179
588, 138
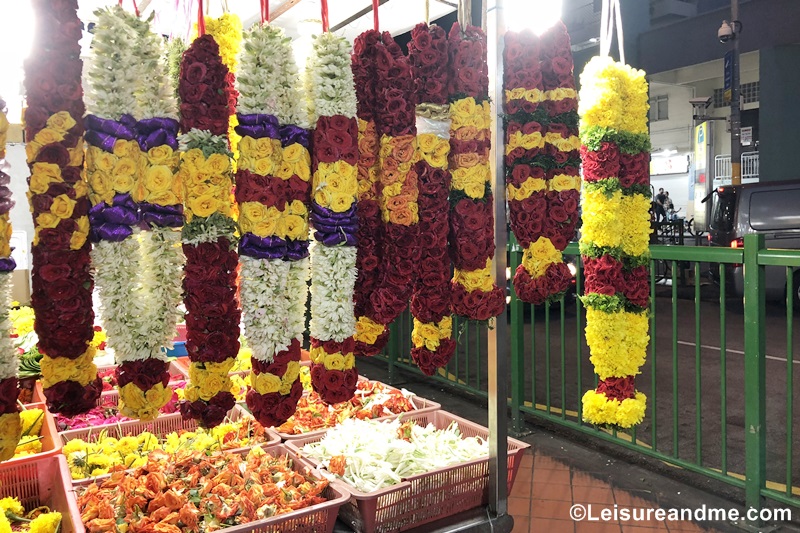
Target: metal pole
736, 116
498, 352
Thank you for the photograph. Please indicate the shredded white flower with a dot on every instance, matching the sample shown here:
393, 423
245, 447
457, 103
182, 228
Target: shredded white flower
333, 271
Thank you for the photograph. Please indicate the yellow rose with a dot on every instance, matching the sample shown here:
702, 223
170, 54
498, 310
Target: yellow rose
563, 182
160, 155
47, 220
43, 175
32, 149
265, 166
204, 206
266, 147
341, 202
61, 121
302, 170
253, 211
163, 198
218, 164
47, 136
265, 383
284, 170
125, 166
349, 361
158, 178
81, 189
62, 206
211, 385
105, 161
295, 227
323, 198
296, 207
124, 148
192, 393
334, 361
83, 224
124, 183
427, 142
295, 153
76, 157
265, 228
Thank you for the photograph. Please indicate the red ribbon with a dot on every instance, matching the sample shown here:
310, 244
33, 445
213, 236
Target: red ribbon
201, 21
325, 15
375, 5
135, 7
264, 11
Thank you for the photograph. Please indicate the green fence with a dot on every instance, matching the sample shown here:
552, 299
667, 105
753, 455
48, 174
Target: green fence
718, 377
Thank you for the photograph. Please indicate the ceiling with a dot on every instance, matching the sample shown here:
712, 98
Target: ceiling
176, 16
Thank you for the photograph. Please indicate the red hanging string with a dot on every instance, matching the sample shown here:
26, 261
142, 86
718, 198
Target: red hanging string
201, 21
324, 15
375, 5
264, 11
120, 3
135, 8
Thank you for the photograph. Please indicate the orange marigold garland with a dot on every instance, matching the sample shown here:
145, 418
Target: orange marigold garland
474, 293
61, 294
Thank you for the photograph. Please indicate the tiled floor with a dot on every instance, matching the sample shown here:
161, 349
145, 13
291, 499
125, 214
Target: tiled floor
546, 489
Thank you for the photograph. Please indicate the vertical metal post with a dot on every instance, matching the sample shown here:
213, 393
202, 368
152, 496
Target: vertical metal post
736, 116
754, 372
498, 365
394, 349
517, 349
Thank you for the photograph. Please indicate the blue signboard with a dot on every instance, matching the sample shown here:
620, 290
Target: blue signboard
728, 74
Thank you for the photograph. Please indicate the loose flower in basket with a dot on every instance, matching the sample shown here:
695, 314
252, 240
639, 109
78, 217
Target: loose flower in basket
334, 192
14, 517
273, 192
61, 286
615, 236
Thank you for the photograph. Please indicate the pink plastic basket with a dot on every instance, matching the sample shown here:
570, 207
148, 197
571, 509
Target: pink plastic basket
51, 444
319, 518
422, 406
159, 427
426, 497
44, 481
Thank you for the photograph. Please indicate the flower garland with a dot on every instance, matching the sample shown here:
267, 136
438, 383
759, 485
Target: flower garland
10, 426
371, 336
430, 304
542, 165
209, 284
61, 293
332, 105
227, 31
474, 293
615, 236
272, 189
131, 167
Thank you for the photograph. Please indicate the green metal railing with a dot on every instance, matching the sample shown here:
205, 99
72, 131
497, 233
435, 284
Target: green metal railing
708, 412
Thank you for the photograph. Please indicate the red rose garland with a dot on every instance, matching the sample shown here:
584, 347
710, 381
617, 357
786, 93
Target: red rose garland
542, 165
213, 314
371, 336
474, 296
61, 293
430, 304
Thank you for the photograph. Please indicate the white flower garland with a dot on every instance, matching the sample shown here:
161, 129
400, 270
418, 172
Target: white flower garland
9, 362
329, 78
297, 285
266, 301
333, 270
155, 93
268, 79
113, 71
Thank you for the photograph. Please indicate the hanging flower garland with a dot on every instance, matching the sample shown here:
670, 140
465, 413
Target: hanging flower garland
615, 236
542, 158
212, 319
430, 304
332, 105
272, 189
474, 293
227, 31
10, 426
371, 336
159, 195
61, 293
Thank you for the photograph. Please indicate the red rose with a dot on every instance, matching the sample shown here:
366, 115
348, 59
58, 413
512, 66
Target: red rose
635, 169
602, 164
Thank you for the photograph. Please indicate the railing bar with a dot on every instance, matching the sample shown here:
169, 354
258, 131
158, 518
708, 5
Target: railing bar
653, 417
579, 339
532, 310
563, 361
547, 354
466, 351
698, 383
789, 374
723, 368
478, 355
675, 359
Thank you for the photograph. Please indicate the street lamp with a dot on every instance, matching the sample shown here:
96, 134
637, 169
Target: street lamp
729, 32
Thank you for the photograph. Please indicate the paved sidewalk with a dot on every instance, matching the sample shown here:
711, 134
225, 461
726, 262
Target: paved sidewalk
557, 473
